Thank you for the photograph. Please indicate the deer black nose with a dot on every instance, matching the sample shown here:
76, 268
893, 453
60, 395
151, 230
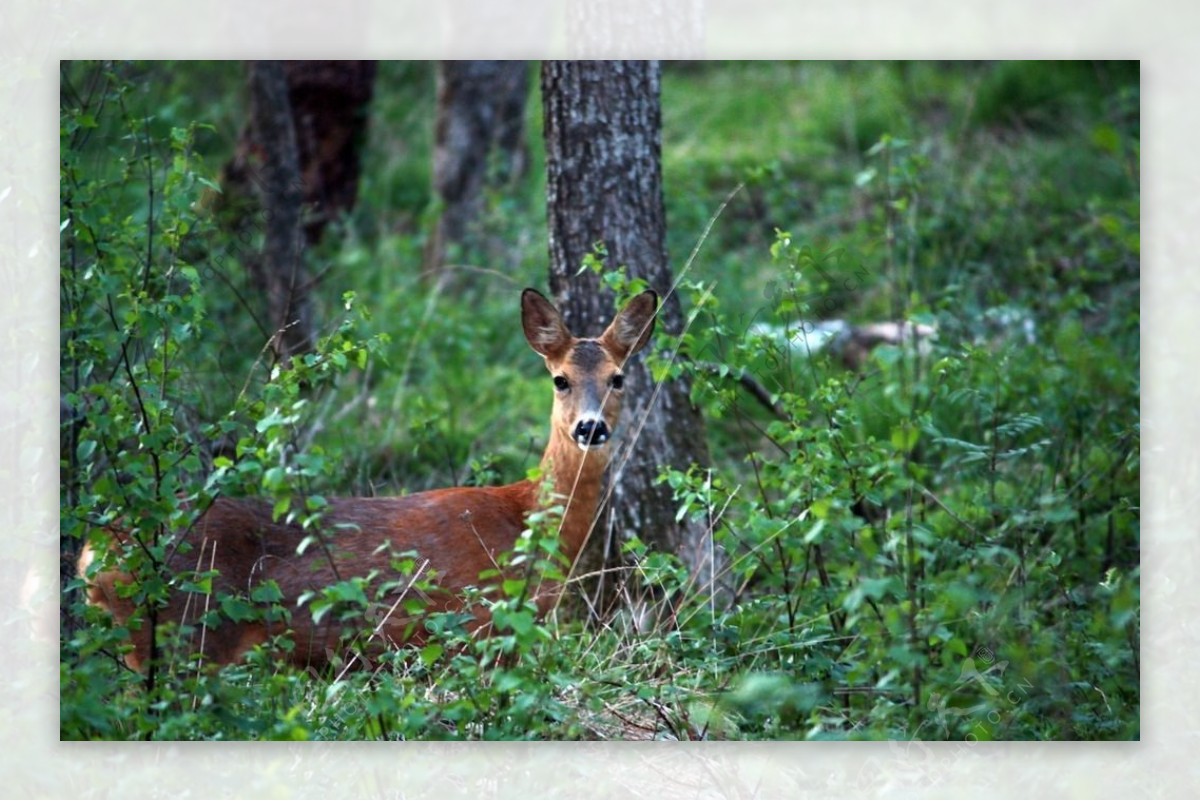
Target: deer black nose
591, 432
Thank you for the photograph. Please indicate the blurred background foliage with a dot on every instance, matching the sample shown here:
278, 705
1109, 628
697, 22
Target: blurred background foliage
933, 544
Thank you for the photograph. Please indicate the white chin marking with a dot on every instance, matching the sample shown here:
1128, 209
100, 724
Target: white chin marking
584, 446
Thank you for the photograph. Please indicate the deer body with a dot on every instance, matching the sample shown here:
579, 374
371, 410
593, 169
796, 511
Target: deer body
451, 534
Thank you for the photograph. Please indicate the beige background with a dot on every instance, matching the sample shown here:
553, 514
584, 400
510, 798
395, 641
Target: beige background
1163, 34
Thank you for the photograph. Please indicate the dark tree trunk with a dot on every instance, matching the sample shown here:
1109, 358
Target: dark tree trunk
604, 183
330, 102
282, 272
479, 141
313, 131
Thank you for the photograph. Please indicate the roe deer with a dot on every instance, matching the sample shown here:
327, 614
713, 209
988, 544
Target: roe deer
457, 532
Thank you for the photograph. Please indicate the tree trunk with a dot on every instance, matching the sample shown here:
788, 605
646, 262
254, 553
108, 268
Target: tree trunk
479, 141
282, 271
604, 183
308, 137
330, 101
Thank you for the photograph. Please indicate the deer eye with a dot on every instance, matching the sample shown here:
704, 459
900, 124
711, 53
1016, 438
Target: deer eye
561, 383
618, 381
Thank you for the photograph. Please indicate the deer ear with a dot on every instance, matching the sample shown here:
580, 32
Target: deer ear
544, 327
630, 330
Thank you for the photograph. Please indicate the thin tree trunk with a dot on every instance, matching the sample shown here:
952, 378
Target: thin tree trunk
479, 141
282, 271
318, 128
604, 183
330, 102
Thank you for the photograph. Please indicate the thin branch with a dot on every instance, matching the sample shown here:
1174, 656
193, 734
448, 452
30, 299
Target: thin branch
751, 385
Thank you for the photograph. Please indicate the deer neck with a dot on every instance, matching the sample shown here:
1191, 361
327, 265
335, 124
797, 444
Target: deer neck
577, 478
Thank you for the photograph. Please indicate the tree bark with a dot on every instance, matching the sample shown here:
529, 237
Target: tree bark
300, 147
330, 101
282, 271
604, 183
479, 141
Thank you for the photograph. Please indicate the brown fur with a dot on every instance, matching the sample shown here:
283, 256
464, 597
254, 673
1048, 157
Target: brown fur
455, 533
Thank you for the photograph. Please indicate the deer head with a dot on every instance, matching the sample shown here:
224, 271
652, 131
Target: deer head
588, 374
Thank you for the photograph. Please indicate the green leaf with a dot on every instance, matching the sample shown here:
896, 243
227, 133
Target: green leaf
237, 609
202, 586
431, 653
350, 591
85, 450
318, 608
956, 646
1106, 138
820, 507
904, 437
266, 592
